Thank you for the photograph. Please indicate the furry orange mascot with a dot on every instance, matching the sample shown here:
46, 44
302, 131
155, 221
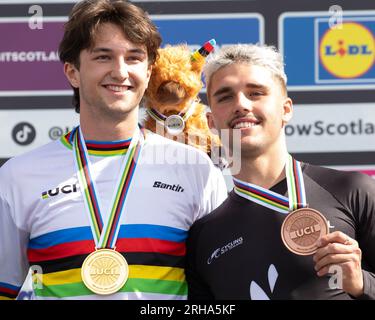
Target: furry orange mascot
171, 99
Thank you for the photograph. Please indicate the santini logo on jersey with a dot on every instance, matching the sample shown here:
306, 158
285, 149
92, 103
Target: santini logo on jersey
220, 251
64, 189
173, 187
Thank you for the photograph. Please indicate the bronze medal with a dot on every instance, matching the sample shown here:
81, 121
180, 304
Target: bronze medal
302, 229
104, 271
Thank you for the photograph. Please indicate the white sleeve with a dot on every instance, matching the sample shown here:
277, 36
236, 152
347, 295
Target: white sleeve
13, 252
215, 192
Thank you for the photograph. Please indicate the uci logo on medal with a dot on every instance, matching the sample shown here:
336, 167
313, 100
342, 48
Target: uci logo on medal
346, 52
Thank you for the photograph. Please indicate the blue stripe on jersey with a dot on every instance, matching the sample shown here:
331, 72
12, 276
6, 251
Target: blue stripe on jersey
126, 231
9, 286
152, 231
61, 236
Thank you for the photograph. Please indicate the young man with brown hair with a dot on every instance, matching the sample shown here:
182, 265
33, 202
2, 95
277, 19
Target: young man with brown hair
104, 212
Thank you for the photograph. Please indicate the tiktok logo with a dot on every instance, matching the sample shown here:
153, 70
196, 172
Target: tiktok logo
256, 292
23, 133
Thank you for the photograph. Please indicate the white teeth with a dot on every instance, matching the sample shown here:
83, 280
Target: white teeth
117, 88
244, 125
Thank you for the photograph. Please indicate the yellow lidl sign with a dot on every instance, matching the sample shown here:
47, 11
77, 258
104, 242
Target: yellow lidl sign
347, 50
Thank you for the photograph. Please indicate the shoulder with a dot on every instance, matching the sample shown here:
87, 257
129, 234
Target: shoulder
29, 162
340, 183
345, 179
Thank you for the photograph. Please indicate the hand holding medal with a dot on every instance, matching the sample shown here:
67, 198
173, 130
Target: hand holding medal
339, 250
305, 231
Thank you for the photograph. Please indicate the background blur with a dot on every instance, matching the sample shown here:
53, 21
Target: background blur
329, 51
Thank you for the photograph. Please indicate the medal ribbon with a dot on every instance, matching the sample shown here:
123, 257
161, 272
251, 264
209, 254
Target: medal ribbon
273, 200
105, 235
160, 118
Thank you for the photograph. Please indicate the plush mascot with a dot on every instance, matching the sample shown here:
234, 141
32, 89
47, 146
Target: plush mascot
171, 99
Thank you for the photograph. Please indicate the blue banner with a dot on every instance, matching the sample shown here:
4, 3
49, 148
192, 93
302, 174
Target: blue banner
196, 29
322, 53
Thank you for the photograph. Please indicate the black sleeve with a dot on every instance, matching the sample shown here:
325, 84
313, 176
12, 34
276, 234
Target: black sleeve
363, 201
197, 288
356, 193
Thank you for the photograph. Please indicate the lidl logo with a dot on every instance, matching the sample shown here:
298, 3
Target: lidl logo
332, 54
347, 51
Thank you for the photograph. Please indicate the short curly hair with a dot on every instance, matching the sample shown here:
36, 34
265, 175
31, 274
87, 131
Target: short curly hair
88, 15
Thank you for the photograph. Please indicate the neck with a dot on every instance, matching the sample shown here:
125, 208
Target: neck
108, 129
264, 170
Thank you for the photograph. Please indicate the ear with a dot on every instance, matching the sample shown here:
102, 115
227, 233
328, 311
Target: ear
149, 71
72, 74
148, 74
211, 122
287, 110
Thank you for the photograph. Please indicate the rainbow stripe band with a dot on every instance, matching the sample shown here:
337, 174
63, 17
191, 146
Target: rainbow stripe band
87, 186
156, 115
296, 186
8, 291
273, 200
203, 51
159, 117
105, 235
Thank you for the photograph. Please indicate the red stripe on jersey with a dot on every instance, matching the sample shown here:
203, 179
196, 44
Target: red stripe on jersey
151, 245
61, 250
74, 248
7, 291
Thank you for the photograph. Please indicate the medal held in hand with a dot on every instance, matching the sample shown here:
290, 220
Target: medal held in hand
303, 226
302, 229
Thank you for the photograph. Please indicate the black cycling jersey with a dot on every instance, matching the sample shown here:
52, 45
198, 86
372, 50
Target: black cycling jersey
237, 252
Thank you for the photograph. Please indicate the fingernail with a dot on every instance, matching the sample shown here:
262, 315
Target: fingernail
319, 242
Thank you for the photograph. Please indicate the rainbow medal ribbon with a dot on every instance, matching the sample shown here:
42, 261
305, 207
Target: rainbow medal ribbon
174, 123
303, 226
105, 270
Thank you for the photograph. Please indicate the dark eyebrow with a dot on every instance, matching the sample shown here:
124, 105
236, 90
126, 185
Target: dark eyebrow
95, 50
135, 50
256, 86
222, 91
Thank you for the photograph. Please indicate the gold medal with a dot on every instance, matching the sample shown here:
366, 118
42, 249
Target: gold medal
104, 271
302, 229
